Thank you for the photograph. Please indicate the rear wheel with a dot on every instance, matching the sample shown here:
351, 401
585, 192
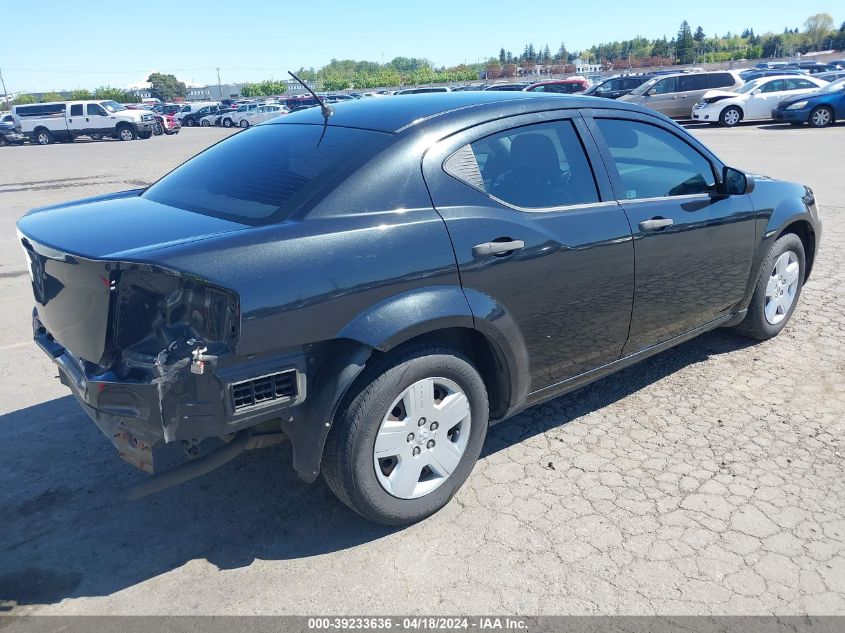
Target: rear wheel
730, 116
145, 135
227, 122
244, 123
205, 123
3, 141
158, 130
408, 435
778, 288
821, 117
43, 137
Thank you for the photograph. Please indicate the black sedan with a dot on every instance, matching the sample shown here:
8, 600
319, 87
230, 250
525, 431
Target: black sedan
380, 282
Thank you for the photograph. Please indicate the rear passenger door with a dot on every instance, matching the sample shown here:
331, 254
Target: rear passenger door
693, 246
539, 240
663, 97
76, 118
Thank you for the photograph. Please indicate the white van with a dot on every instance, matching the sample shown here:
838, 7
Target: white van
44, 123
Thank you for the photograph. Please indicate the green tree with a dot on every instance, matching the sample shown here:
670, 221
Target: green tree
503, 58
332, 83
818, 28
685, 44
107, 93
24, 100
562, 54
81, 95
699, 35
49, 97
167, 87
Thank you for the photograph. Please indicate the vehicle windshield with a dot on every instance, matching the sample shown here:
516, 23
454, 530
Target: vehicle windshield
751, 85
263, 174
834, 86
642, 89
112, 106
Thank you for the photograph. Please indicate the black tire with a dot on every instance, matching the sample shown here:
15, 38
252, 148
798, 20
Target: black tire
348, 466
730, 117
756, 325
126, 133
821, 116
227, 122
3, 141
243, 123
187, 122
205, 123
42, 136
158, 130
145, 135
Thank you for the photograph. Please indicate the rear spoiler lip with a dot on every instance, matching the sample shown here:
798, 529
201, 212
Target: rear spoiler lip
129, 193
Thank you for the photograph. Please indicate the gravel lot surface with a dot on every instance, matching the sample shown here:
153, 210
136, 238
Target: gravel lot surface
707, 480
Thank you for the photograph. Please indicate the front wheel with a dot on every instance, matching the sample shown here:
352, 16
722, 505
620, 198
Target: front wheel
821, 117
227, 122
205, 123
126, 133
408, 435
244, 123
778, 288
158, 130
730, 116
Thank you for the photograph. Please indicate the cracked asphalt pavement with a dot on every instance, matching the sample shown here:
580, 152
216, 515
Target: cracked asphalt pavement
706, 480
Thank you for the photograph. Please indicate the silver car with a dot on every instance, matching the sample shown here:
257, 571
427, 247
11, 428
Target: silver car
674, 95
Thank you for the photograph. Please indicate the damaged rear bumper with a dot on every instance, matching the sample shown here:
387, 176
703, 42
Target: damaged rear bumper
173, 404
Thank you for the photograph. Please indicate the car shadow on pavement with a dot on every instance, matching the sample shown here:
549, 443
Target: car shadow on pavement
68, 532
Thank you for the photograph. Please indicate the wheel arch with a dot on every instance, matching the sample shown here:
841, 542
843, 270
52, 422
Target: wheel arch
438, 314
804, 230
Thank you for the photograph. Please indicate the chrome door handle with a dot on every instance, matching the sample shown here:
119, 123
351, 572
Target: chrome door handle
497, 248
656, 224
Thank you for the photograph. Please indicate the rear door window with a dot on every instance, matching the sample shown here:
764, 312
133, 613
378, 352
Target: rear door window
532, 167
262, 174
721, 80
76, 109
654, 163
692, 82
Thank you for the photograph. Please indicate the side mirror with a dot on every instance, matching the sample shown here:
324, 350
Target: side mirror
756, 91
649, 92
736, 183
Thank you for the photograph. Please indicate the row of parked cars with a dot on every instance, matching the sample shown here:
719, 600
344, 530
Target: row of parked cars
65, 121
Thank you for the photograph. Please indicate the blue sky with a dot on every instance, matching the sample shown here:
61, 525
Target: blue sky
86, 44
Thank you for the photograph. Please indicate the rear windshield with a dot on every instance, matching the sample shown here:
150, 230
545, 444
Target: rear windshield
262, 174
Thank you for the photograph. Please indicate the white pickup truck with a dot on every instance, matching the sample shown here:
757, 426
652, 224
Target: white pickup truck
44, 123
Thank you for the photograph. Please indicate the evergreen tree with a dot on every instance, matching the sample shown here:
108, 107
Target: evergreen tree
699, 35
684, 44
503, 59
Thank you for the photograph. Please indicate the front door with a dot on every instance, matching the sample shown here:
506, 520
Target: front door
693, 246
663, 96
97, 119
538, 238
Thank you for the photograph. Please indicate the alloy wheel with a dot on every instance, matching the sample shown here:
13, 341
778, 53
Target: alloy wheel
781, 287
731, 117
126, 134
422, 438
821, 117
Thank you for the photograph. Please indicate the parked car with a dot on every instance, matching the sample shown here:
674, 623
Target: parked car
814, 68
559, 86
752, 74
674, 95
753, 101
168, 108
421, 91
616, 87
259, 115
166, 124
820, 109
9, 119
228, 120
283, 283
65, 120
831, 76
10, 135
505, 87
190, 119
214, 118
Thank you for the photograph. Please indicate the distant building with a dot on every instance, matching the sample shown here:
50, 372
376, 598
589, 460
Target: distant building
582, 67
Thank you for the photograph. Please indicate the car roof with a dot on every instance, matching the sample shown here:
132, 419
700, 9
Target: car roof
392, 115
